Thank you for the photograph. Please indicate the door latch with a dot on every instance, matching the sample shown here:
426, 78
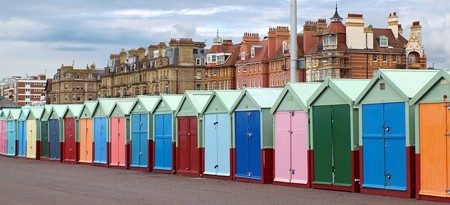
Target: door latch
249, 134
292, 171
388, 176
249, 174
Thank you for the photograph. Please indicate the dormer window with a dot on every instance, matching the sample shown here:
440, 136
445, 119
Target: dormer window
285, 46
384, 42
252, 52
329, 40
243, 56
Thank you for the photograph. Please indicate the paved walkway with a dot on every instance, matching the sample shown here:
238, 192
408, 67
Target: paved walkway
43, 182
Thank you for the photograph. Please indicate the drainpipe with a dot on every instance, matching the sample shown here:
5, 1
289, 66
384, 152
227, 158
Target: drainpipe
294, 47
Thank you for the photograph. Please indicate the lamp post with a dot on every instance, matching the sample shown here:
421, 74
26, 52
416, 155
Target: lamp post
293, 39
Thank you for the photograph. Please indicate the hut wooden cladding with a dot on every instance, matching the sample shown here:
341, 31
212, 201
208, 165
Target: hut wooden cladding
385, 136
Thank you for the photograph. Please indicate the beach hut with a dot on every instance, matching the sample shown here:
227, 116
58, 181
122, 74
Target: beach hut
120, 133
3, 138
164, 132
44, 141
432, 138
387, 131
33, 121
56, 130
253, 134
11, 131
101, 130
190, 152
291, 134
71, 133
86, 132
22, 132
334, 134
142, 132
218, 134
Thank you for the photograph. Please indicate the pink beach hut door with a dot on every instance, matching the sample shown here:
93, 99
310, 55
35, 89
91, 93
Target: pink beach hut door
291, 147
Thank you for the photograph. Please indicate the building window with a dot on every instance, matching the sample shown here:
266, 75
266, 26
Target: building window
285, 46
244, 69
394, 58
213, 58
253, 52
374, 57
384, 58
383, 42
244, 83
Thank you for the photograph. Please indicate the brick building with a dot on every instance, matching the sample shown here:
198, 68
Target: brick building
221, 64
74, 86
266, 62
27, 90
161, 68
356, 51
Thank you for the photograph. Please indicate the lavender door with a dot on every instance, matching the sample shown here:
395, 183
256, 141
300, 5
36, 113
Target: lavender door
291, 147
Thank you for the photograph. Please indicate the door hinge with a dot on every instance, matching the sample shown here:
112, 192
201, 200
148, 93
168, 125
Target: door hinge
292, 171
448, 191
448, 134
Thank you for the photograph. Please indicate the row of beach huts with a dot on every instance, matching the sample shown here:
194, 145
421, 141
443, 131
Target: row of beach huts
389, 135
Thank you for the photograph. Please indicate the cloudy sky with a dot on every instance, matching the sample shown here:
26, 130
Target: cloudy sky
39, 36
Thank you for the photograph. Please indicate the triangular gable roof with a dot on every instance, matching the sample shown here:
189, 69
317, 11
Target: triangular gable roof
90, 107
125, 105
24, 114
149, 102
441, 74
5, 113
198, 98
262, 97
59, 110
47, 112
37, 112
76, 109
173, 101
227, 97
107, 105
301, 92
407, 83
14, 114
347, 89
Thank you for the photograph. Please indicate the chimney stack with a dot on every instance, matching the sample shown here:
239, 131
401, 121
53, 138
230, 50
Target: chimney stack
393, 23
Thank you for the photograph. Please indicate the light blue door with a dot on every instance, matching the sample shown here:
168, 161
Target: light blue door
22, 139
163, 141
135, 140
100, 135
211, 144
11, 132
395, 144
224, 144
143, 138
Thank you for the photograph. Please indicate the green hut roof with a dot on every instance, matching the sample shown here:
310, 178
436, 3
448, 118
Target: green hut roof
14, 114
125, 105
173, 101
226, 97
347, 89
149, 102
37, 111
59, 110
301, 92
90, 106
262, 97
198, 98
24, 114
76, 109
107, 105
441, 74
406, 82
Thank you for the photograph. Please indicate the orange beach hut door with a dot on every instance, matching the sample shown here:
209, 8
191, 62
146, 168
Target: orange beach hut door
434, 149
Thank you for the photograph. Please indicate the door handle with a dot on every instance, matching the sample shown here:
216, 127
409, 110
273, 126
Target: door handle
249, 174
388, 176
216, 166
189, 134
249, 134
290, 131
140, 153
101, 148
